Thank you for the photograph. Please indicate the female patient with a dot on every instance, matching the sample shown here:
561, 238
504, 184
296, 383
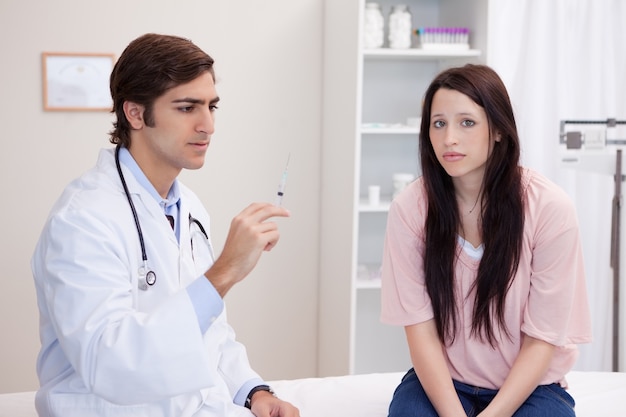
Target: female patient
482, 265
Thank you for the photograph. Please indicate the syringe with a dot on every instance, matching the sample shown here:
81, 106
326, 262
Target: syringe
281, 185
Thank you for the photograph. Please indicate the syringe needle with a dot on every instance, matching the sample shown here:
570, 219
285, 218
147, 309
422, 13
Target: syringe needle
282, 183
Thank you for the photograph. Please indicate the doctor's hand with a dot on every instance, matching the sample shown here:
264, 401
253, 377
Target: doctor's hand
264, 404
250, 234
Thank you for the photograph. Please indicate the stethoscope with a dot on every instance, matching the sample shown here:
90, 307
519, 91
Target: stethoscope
147, 277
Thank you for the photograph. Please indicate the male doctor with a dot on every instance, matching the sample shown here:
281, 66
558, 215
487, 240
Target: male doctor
132, 321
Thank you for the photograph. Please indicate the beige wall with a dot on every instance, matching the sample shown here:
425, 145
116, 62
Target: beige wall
268, 61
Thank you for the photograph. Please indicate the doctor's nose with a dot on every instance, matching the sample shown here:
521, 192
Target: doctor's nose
207, 123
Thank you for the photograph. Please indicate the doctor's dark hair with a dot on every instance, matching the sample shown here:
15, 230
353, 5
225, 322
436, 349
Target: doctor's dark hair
149, 66
501, 219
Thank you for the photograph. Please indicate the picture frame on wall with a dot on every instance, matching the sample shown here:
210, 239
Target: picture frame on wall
76, 81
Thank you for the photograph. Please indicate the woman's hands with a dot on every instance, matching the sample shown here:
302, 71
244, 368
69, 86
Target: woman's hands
526, 373
427, 356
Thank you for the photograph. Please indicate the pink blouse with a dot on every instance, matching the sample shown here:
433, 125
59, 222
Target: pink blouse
547, 299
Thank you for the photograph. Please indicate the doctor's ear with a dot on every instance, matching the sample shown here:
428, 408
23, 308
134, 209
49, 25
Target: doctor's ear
134, 114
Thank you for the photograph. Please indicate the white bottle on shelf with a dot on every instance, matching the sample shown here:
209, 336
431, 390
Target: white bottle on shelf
400, 27
373, 27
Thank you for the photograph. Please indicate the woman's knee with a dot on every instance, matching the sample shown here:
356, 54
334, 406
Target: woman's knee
410, 400
547, 401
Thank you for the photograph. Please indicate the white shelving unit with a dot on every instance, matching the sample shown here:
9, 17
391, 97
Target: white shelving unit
372, 99
418, 54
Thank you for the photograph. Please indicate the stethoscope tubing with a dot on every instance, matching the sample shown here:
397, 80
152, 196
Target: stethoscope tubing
144, 256
149, 276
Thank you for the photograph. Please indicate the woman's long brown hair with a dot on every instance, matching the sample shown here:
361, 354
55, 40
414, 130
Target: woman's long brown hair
502, 217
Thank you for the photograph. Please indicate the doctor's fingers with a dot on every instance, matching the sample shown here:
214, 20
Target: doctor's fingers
263, 211
262, 236
247, 238
253, 221
268, 232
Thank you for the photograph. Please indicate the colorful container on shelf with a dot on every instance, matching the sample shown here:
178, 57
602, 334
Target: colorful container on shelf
453, 38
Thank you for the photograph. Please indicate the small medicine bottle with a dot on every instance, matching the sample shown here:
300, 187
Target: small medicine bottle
400, 27
373, 26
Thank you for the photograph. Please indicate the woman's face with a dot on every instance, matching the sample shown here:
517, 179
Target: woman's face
459, 134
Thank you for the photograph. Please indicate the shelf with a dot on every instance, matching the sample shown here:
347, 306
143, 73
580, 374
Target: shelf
365, 284
372, 105
368, 276
388, 129
365, 207
417, 53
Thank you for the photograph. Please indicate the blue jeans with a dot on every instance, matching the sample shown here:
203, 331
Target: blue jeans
410, 400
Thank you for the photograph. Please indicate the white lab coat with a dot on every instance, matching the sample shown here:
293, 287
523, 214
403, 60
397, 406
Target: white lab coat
108, 348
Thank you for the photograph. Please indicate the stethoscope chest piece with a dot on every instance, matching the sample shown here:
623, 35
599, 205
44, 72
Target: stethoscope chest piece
146, 278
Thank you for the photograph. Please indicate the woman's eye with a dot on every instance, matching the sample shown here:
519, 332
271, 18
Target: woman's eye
467, 123
438, 123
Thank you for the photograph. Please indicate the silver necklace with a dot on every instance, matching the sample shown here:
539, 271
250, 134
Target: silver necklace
474, 206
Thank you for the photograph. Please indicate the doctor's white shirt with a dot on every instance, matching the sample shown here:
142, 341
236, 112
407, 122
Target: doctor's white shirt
110, 349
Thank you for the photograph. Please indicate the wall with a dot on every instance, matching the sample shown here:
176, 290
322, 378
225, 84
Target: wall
268, 62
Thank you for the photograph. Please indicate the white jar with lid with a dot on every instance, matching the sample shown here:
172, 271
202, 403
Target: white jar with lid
400, 25
373, 26
400, 181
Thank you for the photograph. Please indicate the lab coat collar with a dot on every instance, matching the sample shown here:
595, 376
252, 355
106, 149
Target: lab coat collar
173, 195
106, 161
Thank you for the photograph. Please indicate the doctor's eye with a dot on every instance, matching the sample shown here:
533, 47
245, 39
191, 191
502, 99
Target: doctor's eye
213, 107
186, 109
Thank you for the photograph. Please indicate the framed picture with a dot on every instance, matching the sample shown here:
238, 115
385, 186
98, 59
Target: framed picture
76, 82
